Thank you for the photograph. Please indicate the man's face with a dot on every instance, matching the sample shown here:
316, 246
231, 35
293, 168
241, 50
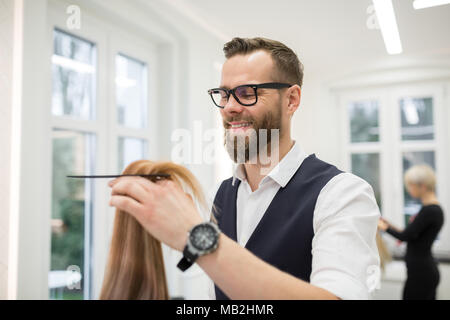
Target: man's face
254, 68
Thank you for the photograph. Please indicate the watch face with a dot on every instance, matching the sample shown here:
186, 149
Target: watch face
203, 237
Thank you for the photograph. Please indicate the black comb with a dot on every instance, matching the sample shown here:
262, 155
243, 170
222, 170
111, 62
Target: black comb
153, 176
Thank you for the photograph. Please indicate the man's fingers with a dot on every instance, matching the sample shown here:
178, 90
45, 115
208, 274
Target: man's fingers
131, 188
145, 183
126, 204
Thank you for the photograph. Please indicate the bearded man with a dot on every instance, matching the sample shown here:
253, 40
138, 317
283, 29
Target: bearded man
289, 225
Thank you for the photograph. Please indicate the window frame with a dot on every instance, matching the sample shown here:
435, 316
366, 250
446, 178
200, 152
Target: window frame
390, 146
30, 209
134, 48
96, 126
108, 40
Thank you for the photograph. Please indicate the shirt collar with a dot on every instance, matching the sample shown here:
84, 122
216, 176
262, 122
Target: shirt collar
282, 172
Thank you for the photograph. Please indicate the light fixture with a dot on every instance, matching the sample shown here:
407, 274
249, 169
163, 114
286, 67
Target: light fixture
422, 4
388, 25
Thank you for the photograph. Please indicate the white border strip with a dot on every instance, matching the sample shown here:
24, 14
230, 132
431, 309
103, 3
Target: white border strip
16, 129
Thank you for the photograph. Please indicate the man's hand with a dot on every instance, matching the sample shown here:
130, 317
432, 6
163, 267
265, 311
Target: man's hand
162, 208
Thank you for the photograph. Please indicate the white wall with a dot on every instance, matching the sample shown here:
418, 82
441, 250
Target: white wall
315, 123
6, 59
21, 60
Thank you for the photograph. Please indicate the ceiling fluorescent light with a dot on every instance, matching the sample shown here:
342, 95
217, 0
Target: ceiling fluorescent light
422, 4
388, 25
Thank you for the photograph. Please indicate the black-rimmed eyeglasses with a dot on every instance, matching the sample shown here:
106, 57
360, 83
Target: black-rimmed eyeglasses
246, 95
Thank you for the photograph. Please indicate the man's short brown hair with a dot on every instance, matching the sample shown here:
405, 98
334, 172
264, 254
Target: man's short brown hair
288, 66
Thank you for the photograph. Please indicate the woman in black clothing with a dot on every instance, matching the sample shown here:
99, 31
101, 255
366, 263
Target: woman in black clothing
422, 271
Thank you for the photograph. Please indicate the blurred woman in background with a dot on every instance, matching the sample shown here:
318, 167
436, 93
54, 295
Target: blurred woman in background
422, 271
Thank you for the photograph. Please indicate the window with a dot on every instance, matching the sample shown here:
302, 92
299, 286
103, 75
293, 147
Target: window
417, 118
367, 166
72, 202
131, 101
131, 149
73, 77
73, 98
102, 119
131, 93
388, 130
364, 121
364, 142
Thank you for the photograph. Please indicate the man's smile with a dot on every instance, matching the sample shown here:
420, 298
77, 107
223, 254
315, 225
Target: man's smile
239, 125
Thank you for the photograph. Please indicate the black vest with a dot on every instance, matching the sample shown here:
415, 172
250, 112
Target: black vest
284, 235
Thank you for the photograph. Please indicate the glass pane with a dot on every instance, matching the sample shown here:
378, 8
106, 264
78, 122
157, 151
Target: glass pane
131, 92
72, 199
73, 76
131, 149
367, 166
417, 118
364, 121
412, 206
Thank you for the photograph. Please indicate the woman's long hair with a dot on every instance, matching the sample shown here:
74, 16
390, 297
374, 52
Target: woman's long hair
135, 268
383, 251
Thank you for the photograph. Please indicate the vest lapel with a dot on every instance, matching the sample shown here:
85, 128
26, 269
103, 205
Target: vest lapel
229, 224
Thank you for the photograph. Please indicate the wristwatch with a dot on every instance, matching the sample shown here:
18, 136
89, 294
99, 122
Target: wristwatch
203, 238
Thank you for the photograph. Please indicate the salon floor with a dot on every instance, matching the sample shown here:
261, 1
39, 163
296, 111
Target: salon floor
394, 276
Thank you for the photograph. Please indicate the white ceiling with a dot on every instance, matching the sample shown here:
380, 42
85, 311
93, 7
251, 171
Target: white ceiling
330, 36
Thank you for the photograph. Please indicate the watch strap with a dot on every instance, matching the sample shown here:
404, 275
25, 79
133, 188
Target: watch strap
188, 254
187, 260
184, 264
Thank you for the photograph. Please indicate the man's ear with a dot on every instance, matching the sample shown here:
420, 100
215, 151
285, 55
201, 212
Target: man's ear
294, 97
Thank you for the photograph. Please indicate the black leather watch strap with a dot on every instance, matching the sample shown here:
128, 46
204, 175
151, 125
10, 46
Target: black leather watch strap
184, 264
187, 260
189, 255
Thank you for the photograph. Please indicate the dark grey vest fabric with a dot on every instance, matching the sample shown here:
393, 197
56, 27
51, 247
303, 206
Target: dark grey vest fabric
284, 234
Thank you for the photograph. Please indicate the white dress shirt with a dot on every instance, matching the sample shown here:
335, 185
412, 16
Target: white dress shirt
345, 256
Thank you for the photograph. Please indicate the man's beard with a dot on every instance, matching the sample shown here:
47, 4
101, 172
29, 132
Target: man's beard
249, 145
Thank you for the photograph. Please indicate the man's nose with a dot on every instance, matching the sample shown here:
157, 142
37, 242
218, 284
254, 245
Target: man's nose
232, 106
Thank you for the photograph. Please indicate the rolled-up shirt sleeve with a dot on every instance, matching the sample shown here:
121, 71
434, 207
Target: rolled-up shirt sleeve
345, 259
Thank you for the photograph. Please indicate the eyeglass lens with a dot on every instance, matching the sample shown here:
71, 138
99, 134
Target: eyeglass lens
244, 94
